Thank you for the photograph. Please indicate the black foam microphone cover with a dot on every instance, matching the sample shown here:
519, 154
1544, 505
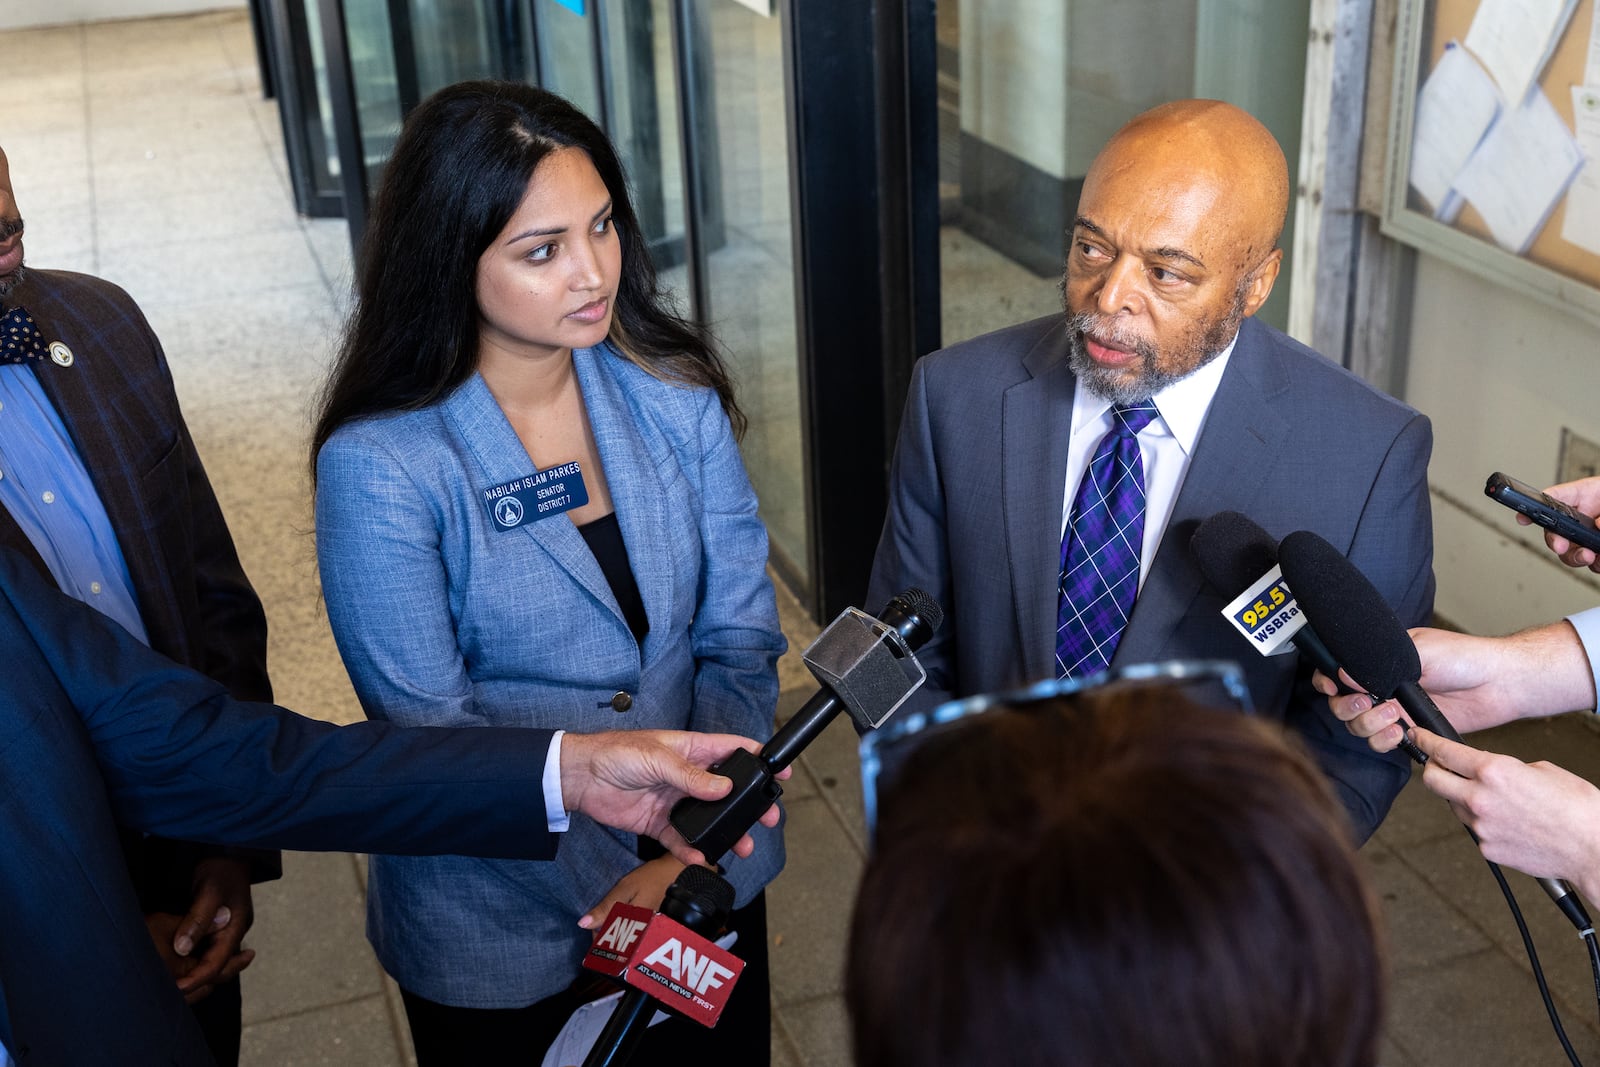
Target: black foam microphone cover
1233, 551
1351, 616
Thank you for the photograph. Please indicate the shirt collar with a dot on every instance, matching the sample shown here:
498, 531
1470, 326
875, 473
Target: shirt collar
1182, 405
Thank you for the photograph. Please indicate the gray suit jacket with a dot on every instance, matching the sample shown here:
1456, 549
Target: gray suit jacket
1291, 440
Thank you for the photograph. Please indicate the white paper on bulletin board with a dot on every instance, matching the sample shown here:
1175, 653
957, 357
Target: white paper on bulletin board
1582, 223
1514, 38
1505, 205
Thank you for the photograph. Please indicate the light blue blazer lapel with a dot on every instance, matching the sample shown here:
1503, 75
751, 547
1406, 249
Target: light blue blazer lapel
474, 414
633, 474
1244, 433
1035, 430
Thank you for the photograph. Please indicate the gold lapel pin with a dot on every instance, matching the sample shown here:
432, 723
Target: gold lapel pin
61, 354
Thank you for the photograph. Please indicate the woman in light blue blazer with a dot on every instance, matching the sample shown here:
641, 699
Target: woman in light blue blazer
531, 510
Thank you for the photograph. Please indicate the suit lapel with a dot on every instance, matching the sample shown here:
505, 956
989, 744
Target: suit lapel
70, 390
1241, 440
475, 415
633, 476
1035, 430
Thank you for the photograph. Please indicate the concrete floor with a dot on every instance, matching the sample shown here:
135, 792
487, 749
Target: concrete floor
142, 151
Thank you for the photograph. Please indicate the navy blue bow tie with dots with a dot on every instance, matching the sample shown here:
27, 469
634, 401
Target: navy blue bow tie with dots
20, 339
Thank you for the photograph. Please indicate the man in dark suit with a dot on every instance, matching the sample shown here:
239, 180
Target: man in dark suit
95, 727
1014, 500
101, 489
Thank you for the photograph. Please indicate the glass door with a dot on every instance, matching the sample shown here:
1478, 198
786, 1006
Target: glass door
739, 112
296, 67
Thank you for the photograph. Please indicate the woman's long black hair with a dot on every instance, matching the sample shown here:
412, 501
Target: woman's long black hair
459, 171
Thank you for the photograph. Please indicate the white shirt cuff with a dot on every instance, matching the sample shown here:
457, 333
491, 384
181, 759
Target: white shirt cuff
1587, 623
555, 810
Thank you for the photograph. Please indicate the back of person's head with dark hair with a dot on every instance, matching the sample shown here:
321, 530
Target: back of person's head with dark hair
1113, 878
459, 170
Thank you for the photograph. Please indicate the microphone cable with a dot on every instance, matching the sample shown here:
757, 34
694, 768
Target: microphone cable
1594, 960
1533, 957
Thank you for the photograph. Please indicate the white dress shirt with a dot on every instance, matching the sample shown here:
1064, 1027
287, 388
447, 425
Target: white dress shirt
1165, 446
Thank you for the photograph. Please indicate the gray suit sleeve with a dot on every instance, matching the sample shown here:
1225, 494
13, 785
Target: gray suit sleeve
914, 550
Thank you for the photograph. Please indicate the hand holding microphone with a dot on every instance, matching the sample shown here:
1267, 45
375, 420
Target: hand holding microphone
1478, 682
1235, 553
664, 957
1365, 637
630, 779
1361, 630
1536, 817
866, 667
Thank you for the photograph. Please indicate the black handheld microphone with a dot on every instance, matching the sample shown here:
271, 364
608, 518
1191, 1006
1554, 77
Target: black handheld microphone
1234, 553
866, 666
700, 899
1367, 638
1363, 632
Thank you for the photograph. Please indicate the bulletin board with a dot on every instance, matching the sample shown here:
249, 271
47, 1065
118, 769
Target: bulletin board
1543, 256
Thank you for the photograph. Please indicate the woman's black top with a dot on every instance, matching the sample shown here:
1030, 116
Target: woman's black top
604, 538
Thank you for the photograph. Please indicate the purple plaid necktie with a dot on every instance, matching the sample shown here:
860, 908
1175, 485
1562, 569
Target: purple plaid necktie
20, 339
1100, 550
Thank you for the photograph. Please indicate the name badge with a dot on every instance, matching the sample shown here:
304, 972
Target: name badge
536, 496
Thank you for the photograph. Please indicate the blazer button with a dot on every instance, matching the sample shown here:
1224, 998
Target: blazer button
621, 701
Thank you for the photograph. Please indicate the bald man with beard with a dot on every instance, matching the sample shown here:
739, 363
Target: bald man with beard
1174, 250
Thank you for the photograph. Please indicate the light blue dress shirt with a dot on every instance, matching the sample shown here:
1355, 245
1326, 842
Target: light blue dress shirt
557, 820
1587, 623
47, 490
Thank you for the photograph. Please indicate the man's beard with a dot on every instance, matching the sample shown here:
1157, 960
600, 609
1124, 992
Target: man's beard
10, 281
9, 228
1151, 374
